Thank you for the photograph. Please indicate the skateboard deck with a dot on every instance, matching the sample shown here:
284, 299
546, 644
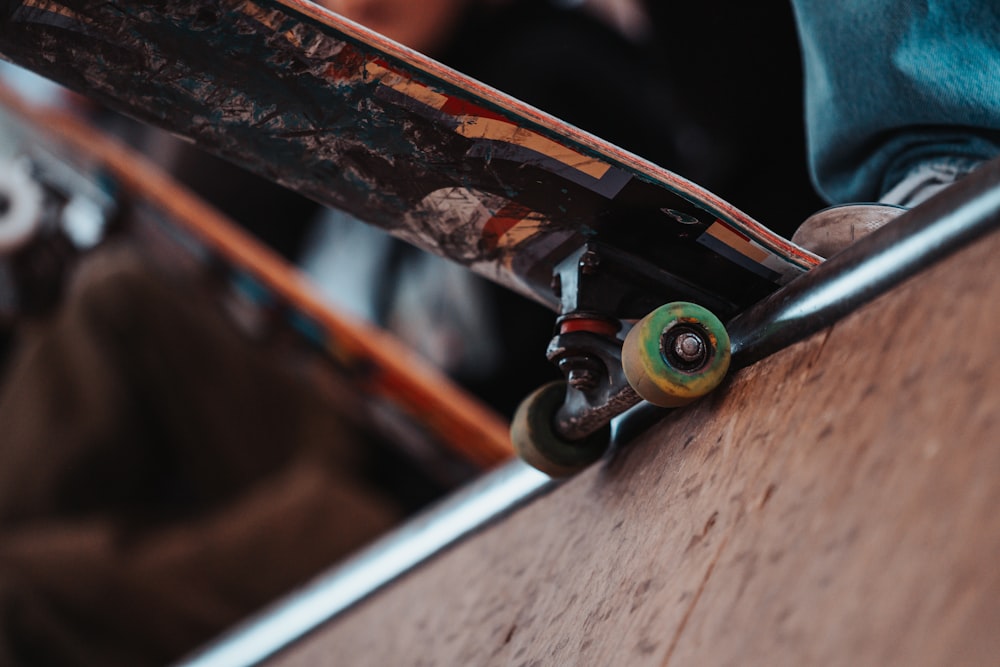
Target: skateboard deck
355, 121
341, 114
387, 389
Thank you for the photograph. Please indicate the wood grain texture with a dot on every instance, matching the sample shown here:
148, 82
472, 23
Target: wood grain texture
836, 504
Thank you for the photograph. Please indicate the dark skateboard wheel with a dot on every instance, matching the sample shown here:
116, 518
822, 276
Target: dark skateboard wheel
676, 354
536, 442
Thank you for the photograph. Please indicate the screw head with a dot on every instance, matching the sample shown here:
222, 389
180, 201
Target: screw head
689, 347
685, 347
582, 379
582, 372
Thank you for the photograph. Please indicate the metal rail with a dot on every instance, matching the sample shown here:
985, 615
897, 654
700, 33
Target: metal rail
491, 497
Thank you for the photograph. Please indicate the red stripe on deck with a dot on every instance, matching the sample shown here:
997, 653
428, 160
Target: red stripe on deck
734, 231
505, 219
457, 107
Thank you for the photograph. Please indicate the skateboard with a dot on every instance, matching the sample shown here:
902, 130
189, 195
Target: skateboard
641, 265
67, 190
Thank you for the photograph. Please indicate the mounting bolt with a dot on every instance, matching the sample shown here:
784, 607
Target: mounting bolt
582, 379
685, 347
582, 372
589, 261
689, 347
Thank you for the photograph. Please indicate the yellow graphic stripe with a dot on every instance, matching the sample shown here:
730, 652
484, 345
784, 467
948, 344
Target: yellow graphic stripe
406, 86
738, 243
54, 8
477, 127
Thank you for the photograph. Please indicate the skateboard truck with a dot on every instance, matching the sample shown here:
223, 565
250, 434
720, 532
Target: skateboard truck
675, 354
586, 347
911, 243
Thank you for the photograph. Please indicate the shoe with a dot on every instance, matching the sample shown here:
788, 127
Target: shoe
829, 231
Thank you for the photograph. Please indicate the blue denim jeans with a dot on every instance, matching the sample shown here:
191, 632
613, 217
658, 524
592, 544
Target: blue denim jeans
895, 84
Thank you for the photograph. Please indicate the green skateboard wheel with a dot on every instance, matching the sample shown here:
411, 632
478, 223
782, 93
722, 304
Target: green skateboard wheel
677, 353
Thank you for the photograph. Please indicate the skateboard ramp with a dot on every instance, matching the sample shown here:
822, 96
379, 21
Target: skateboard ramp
833, 504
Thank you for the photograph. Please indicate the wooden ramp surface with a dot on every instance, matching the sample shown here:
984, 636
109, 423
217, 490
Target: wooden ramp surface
836, 504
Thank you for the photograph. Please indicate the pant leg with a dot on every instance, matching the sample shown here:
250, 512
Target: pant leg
892, 84
160, 478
